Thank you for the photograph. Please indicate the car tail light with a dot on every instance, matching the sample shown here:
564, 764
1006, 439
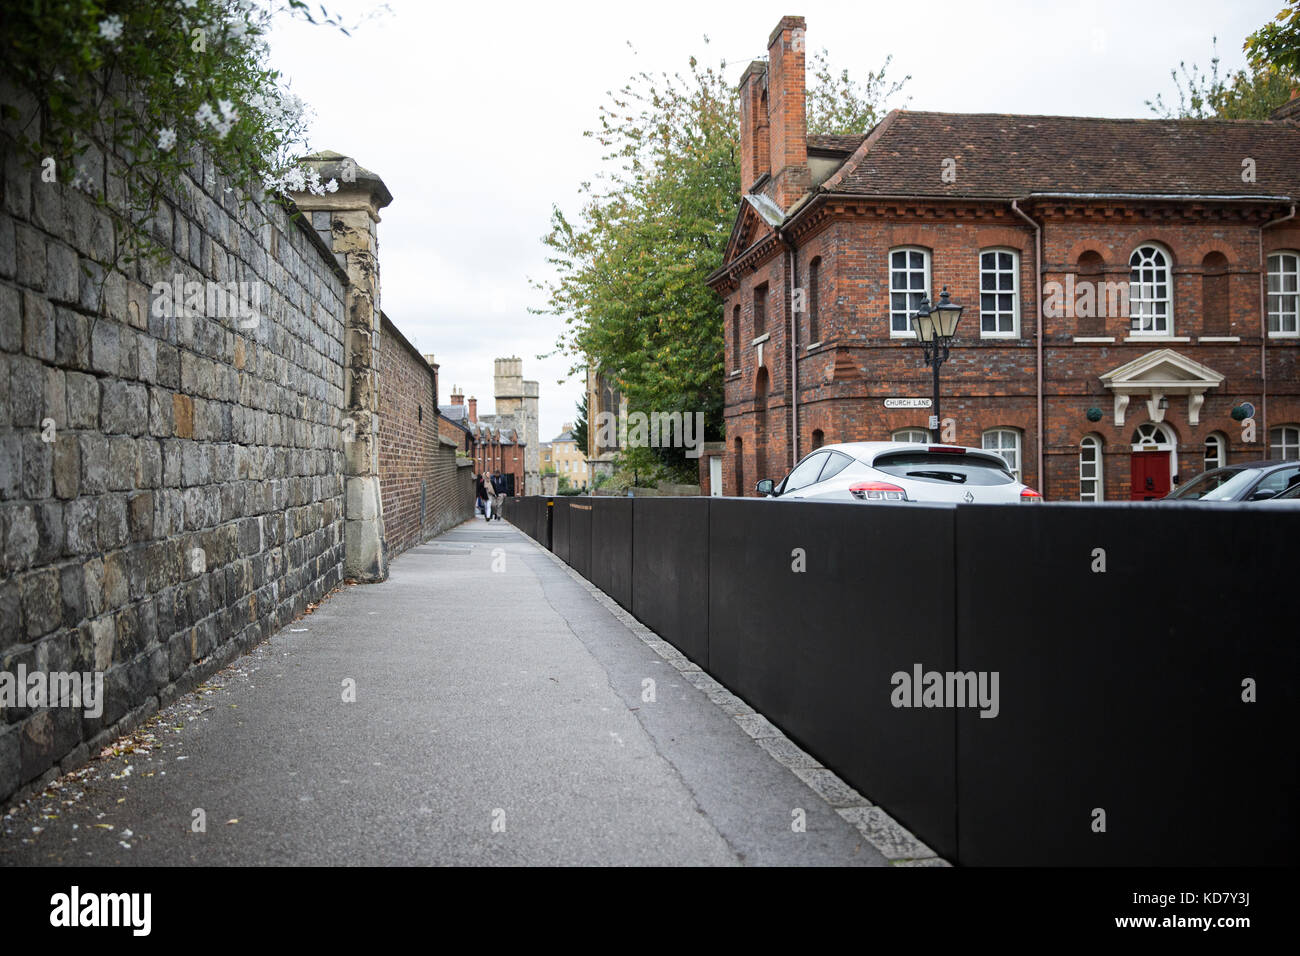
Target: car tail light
1030, 495
877, 491
947, 450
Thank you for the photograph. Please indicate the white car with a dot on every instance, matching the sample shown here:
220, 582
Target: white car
893, 471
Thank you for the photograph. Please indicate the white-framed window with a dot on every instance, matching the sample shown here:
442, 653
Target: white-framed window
1151, 437
1216, 451
918, 435
1150, 291
1090, 473
909, 283
1284, 293
1284, 441
999, 301
1006, 442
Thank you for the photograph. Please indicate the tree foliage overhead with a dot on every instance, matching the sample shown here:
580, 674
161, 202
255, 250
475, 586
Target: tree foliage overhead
1250, 93
631, 266
1277, 43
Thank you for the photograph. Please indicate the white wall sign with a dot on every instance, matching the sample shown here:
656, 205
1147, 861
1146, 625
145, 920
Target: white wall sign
907, 403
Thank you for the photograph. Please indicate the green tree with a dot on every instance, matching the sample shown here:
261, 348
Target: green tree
580, 428
1251, 93
1277, 43
840, 104
631, 266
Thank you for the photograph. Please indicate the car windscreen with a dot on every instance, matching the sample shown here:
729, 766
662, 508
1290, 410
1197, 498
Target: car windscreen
944, 468
1222, 484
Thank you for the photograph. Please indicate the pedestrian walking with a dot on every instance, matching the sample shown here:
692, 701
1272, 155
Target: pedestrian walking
481, 496
499, 493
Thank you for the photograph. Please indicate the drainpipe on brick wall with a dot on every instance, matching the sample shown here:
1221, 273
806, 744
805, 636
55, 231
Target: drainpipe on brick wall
1263, 326
792, 261
1038, 334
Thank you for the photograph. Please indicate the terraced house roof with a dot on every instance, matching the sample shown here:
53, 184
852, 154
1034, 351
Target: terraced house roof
1003, 156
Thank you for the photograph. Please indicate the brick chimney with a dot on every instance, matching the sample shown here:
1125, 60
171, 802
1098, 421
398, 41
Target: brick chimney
457, 396
1290, 110
753, 125
788, 112
473, 409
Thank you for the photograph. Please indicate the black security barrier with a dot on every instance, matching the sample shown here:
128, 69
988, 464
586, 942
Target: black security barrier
611, 548
560, 525
1051, 684
670, 571
579, 557
812, 610
1122, 636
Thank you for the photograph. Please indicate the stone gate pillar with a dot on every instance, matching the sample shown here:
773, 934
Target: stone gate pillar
347, 221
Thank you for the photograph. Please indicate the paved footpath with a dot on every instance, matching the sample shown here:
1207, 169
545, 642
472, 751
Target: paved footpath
498, 719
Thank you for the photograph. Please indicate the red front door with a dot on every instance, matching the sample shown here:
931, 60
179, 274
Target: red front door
1150, 471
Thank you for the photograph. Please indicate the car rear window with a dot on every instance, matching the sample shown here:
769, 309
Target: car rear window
944, 468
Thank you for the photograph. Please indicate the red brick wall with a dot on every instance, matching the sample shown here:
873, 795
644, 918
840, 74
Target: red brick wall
990, 383
424, 492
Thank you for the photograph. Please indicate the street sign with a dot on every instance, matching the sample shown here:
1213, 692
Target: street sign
907, 403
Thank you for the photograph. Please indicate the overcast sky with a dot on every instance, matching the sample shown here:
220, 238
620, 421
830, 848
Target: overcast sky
473, 116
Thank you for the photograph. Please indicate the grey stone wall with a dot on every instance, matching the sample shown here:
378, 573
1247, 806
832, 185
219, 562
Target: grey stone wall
171, 488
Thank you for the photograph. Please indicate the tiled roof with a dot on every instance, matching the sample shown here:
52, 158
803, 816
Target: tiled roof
1009, 156
564, 436
835, 144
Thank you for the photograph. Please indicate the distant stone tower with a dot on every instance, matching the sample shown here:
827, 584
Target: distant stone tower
518, 399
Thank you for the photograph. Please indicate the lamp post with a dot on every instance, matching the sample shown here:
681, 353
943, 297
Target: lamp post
935, 326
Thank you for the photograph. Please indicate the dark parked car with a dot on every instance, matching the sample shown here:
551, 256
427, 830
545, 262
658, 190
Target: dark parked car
1244, 481
1289, 497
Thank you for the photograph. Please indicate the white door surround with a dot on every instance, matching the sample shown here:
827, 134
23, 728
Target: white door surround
1158, 375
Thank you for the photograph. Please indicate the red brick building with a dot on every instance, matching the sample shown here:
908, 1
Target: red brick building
424, 489
491, 446
1164, 255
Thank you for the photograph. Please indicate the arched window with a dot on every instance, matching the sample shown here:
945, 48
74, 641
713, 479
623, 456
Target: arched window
1090, 470
1151, 437
735, 338
909, 283
999, 299
1216, 451
814, 299
1284, 294
1150, 292
1216, 314
918, 435
1284, 441
1006, 442
818, 438
738, 465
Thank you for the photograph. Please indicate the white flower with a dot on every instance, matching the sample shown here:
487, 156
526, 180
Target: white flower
110, 28
332, 186
228, 110
189, 4
166, 138
178, 79
204, 114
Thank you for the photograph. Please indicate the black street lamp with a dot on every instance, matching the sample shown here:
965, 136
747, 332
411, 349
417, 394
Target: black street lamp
935, 326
